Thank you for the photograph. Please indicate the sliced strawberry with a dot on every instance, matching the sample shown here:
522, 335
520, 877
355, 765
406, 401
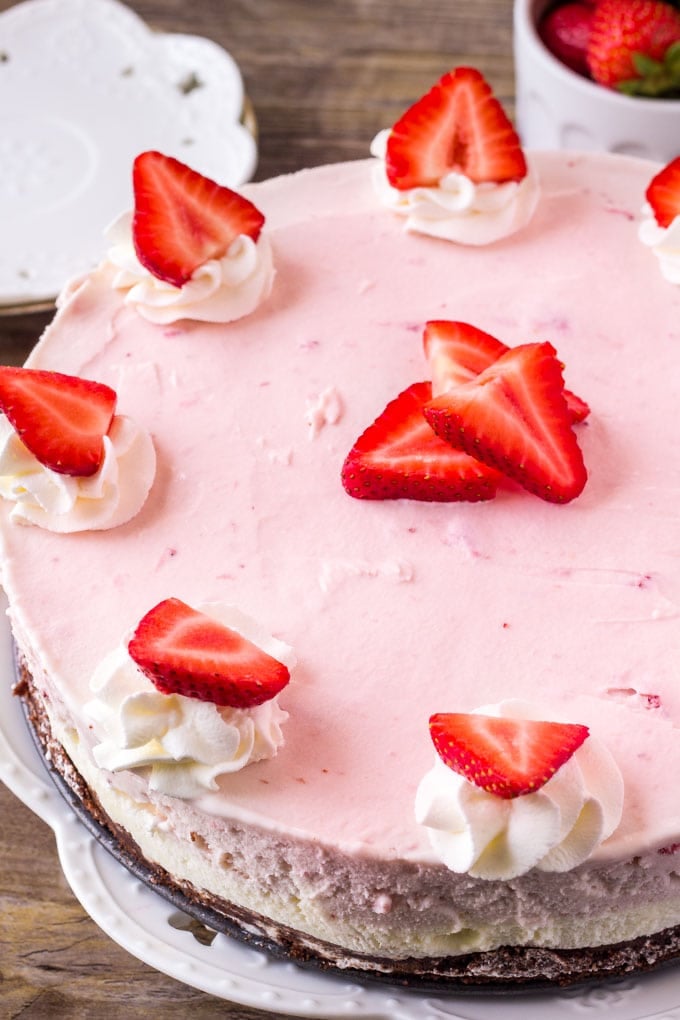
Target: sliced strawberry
61, 419
183, 219
506, 757
457, 352
184, 651
663, 193
513, 417
578, 409
400, 457
458, 126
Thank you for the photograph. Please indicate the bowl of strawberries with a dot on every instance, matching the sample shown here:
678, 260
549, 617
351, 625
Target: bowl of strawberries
599, 74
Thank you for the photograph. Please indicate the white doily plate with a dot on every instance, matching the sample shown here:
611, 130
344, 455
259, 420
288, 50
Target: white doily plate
154, 931
86, 85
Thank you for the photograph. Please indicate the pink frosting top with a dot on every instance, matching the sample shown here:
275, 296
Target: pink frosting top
395, 609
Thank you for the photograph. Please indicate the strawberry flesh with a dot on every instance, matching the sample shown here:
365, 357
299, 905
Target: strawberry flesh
182, 219
506, 757
61, 419
400, 457
184, 651
514, 418
663, 193
459, 126
457, 352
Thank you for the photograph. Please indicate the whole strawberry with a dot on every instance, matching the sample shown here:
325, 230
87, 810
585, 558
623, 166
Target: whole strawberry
635, 47
565, 30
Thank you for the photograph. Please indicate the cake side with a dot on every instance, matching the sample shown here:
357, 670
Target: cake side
523, 965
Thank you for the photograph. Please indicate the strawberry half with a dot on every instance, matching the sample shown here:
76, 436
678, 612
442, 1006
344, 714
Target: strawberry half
457, 352
506, 757
400, 457
61, 419
184, 651
514, 418
459, 126
182, 219
663, 193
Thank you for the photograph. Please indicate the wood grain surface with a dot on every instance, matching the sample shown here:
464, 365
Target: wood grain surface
323, 77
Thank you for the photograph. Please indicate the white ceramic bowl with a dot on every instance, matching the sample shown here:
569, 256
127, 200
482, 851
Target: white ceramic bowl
559, 109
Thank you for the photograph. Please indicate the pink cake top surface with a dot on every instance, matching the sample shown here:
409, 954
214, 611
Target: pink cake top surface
395, 609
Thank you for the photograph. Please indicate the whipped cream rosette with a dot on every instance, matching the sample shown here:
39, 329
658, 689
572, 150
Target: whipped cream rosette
200, 717
660, 227
453, 166
553, 819
67, 461
665, 243
191, 249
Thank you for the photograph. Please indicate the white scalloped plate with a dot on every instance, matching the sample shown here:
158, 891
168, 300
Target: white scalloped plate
86, 85
154, 931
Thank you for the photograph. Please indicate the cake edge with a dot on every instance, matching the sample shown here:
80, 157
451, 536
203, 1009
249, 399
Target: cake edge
506, 969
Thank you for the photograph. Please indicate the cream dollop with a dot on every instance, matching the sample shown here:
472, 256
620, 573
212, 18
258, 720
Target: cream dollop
554, 829
185, 743
67, 503
664, 242
221, 290
458, 209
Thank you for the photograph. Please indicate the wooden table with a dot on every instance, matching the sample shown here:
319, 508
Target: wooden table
323, 76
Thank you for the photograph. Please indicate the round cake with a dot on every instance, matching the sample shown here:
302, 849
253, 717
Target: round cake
331, 843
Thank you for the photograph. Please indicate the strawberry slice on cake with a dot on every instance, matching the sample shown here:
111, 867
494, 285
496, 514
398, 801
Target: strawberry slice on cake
663, 193
457, 352
182, 219
61, 419
660, 226
400, 457
185, 651
514, 418
505, 756
457, 127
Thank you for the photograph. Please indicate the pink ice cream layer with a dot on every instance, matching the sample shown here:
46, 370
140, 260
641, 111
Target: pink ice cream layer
396, 609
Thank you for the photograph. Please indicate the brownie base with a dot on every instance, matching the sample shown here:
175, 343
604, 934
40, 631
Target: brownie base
507, 969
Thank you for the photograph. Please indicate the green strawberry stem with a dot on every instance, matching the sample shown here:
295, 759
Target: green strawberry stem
657, 78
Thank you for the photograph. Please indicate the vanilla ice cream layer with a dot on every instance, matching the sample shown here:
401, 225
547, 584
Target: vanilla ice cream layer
399, 609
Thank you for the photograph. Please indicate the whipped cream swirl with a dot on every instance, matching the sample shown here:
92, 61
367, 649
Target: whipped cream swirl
554, 829
221, 290
185, 743
458, 209
68, 503
664, 242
